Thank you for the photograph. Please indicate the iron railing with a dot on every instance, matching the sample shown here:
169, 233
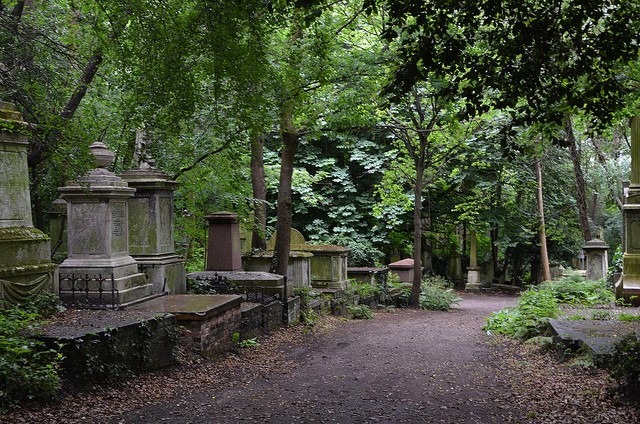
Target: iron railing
89, 292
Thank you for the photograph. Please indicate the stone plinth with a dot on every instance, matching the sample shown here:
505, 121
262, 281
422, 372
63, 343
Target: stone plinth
597, 262
151, 226
98, 242
298, 272
25, 253
224, 252
328, 264
628, 286
473, 279
403, 269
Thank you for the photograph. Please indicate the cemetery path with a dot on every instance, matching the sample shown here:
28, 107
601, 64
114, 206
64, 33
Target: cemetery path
404, 367
409, 366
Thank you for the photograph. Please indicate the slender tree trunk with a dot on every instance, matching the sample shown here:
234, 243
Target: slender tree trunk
259, 193
290, 137
544, 256
581, 196
38, 154
414, 300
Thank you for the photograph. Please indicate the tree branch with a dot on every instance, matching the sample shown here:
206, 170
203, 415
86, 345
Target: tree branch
200, 159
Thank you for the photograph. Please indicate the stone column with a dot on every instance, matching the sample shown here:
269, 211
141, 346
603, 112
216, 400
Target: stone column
25, 253
473, 272
98, 242
151, 224
629, 284
223, 248
58, 229
597, 261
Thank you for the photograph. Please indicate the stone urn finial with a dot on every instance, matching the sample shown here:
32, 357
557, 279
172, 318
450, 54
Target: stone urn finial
103, 156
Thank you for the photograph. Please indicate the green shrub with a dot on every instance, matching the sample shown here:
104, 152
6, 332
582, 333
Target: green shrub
625, 367
574, 290
528, 319
437, 295
28, 369
365, 290
360, 312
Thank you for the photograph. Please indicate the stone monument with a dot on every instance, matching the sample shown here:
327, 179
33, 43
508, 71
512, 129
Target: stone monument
629, 284
224, 252
25, 253
473, 272
151, 225
98, 235
597, 261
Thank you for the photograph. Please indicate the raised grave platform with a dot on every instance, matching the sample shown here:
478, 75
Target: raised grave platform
209, 321
97, 345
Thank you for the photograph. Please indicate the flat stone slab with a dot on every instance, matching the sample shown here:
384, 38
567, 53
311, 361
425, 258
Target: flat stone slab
238, 276
597, 336
190, 307
75, 323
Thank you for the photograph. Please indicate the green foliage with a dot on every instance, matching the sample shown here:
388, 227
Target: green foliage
249, 343
626, 365
437, 295
626, 317
540, 303
528, 319
360, 312
574, 290
365, 290
28, 369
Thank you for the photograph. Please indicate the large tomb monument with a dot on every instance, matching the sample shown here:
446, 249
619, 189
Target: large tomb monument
151, 225
25, 266
98, 235
629, 284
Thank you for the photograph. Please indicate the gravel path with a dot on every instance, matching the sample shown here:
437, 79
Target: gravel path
408, 366
404, 367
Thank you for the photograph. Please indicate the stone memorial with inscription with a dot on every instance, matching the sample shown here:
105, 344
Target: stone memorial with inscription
629, 284
98, 239
25, 266
151, 225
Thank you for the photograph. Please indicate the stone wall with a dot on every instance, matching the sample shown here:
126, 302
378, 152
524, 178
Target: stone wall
211, 334
259, 319
128, 345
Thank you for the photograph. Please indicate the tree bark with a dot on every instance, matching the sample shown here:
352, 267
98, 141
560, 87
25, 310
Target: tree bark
414, 300
259, 193
581, 196
544, 256
38, 153
290, 138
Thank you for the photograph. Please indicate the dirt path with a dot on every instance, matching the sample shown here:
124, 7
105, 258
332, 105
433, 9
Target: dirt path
403, 367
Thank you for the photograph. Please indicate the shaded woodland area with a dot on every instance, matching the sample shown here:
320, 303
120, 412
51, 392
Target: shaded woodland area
396, 128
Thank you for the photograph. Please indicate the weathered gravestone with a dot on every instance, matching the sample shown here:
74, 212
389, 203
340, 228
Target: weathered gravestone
98, 242
151, 224
25, 266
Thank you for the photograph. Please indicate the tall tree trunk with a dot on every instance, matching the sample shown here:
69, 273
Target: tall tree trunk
259, 193
544, 256
290, 137
581, 196
414, 300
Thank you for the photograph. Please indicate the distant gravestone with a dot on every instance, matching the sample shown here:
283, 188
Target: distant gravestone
25, 253
597, 262
296, 239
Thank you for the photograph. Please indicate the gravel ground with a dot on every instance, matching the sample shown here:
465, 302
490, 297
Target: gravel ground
403, 367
